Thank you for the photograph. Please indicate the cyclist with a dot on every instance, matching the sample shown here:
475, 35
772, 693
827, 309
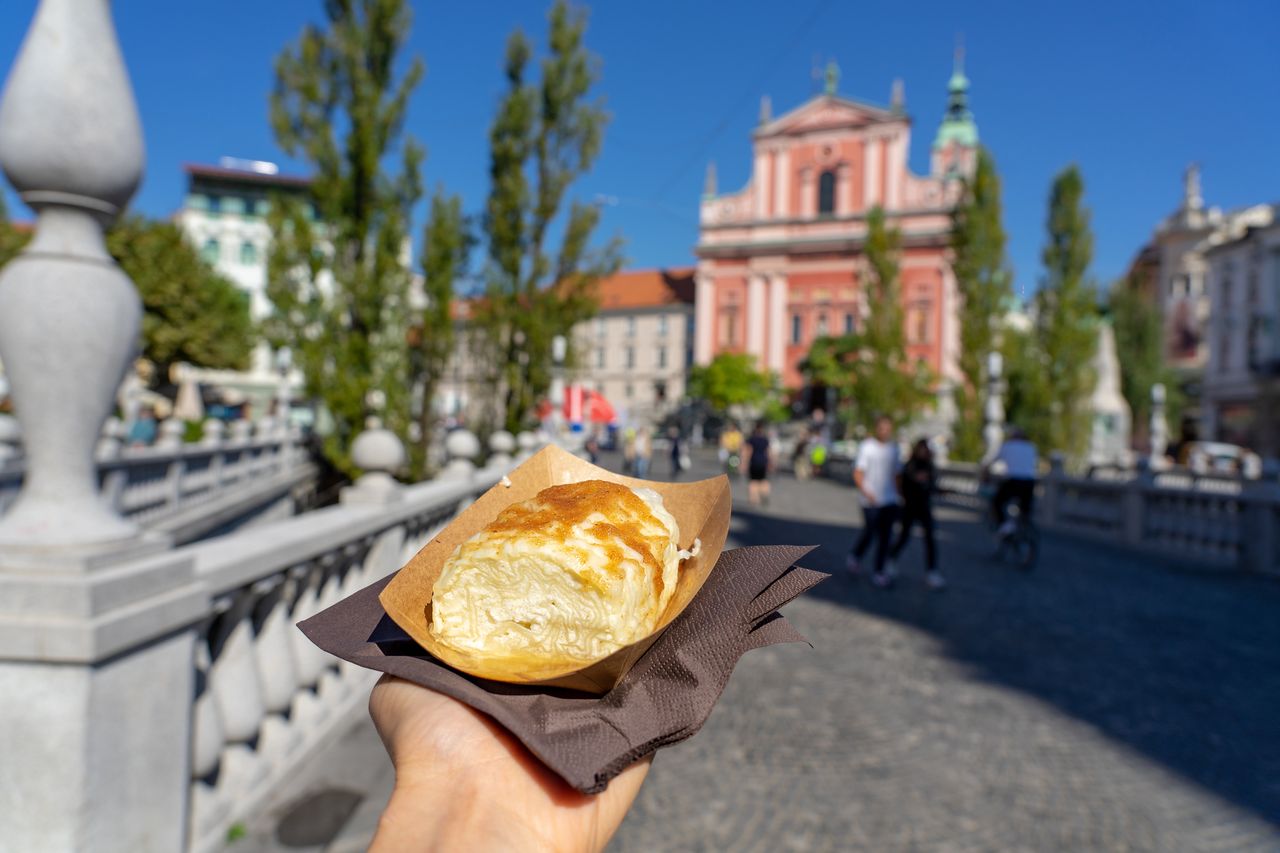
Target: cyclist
1020, 460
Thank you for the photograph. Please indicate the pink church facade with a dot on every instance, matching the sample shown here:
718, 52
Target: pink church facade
780, 262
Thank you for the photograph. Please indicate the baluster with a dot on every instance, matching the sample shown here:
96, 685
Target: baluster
501, 446
308, 661
208, 806
277, 681
233, 677
528, 443
463, 449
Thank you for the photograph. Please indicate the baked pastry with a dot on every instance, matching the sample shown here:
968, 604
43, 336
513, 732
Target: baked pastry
560, 580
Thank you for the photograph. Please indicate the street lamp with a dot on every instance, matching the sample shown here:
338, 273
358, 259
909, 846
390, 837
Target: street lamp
559, 350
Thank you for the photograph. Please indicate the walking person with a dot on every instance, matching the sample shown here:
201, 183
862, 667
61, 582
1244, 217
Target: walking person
759, 462
642, 452
677, 452
875, 473
919, 482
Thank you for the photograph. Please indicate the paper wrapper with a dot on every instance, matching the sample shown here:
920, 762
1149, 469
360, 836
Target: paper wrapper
664, 699
701, 509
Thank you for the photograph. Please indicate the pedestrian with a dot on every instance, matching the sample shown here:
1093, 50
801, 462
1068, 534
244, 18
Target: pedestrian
677, 452
875, 473
142, 432
629, 451
592, 446
919, 482
642, 451
759, 462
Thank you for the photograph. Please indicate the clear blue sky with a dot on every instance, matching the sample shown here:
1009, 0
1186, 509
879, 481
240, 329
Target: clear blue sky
1130, 91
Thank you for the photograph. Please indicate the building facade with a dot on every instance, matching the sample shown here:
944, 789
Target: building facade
780, 262
1241, 401
638, 349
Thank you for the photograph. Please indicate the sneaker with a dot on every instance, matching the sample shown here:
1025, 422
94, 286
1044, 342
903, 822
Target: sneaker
891, 569
881, 579
935, 580
1007, 528
852, 566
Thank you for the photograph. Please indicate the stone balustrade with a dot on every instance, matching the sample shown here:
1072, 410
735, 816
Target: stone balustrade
152, 484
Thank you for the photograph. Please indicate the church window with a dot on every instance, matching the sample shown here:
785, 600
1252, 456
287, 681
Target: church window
821, 330
848, 323
918, 323
827, 193
797, 328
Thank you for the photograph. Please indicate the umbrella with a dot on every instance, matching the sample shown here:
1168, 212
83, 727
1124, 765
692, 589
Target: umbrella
599, 410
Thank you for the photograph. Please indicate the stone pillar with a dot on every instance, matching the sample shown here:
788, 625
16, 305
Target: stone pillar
379, 453
993, 414
1159, 428
95, 643
756, 309
463, 449
704, 319
1051, 500
777, 324
1134, 504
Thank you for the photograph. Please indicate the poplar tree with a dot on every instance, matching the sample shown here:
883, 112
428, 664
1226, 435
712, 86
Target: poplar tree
446, 243
547, 133
1140, 351
869, 368
1066, 334
338, 275
985, 285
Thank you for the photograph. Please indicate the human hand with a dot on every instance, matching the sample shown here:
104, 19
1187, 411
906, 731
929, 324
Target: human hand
463, 782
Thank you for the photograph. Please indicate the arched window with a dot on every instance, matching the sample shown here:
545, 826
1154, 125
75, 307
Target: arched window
827, 193
248, 253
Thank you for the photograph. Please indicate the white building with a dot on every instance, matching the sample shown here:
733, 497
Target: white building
1241, 401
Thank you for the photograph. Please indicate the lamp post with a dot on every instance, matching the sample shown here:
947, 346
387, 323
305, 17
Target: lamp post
993, 429
559, 349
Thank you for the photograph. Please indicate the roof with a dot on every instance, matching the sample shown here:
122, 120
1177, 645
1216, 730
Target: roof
650, 288
244, 176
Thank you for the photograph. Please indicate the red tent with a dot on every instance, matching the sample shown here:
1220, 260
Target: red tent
599, 411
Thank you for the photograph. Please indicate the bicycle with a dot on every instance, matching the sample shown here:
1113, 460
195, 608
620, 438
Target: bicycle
1020, 547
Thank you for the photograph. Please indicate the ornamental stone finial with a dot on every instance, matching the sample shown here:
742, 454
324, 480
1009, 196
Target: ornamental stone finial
831, 78
71, 144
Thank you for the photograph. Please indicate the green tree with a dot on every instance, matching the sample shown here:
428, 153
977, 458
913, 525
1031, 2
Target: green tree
731, 380
985, 284
869, 368
545, 135
446, 243
1066, 313
339, 284
1140, 351
191, 313
12, 241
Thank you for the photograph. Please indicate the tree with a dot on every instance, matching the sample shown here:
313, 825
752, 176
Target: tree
545, 136
340, 284
12, 241
1140, 351
731, 380
446, 243
1066, 309
869, 368
985, 284
191, 313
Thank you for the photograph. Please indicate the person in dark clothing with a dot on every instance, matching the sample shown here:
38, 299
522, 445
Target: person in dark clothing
759, 464
677, 452
918, 483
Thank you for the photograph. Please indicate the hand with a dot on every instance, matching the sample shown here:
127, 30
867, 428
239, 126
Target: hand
870, 496
464, 783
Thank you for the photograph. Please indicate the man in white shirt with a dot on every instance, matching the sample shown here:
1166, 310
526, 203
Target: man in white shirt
1021, 463
875, 473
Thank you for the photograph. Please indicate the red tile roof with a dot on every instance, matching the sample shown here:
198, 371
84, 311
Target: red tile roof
646, 289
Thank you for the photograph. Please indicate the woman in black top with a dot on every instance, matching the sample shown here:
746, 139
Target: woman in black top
758, 465
918, 481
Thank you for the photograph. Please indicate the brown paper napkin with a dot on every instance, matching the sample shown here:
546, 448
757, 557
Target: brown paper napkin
665, 698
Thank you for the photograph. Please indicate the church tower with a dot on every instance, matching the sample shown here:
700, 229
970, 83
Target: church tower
955, 148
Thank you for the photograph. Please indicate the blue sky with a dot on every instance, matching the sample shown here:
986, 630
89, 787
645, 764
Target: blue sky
1130, 91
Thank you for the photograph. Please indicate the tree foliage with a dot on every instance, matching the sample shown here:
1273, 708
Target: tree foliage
191, 313
985, 284
1059, 364
340, 285
545, 135
869, 368
446, 243
1140, 351
731, 380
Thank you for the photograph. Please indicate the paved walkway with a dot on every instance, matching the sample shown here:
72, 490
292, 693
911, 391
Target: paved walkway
1100, 702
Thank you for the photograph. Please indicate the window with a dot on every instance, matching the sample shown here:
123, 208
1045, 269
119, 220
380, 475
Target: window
215, 206
821, 331
729, 327
599, 327
848, 323
210, 251
797, 328
662, 325
248, 253
827, 193
631, 327
918, 323
660, 391
600, 357
631, 358
627, 390
662, 356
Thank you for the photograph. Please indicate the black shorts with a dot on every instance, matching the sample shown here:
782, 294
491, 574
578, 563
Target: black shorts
758, 473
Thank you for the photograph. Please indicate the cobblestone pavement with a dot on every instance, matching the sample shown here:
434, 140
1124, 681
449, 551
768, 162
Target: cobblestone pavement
1100, 702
